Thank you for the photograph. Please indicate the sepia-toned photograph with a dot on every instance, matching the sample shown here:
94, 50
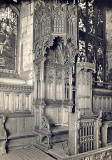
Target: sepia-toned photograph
55, 79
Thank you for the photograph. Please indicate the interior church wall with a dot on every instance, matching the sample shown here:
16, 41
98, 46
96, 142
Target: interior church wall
8, 39
26, 40
58, 113
16, 91
109, 41
23, 44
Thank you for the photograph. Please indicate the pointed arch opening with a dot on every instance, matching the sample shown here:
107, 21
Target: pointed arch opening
8, 38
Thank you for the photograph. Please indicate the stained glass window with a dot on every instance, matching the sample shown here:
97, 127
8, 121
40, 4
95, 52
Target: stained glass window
8, 37
91, 34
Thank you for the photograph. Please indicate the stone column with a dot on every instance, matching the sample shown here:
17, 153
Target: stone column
42, 85
70, 84
3, 105
42, 93
35, 83
27, 101
10, 107
63, 85
17, 102
7, 101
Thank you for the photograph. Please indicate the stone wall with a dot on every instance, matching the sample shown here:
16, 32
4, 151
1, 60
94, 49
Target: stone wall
26, 40
109, 37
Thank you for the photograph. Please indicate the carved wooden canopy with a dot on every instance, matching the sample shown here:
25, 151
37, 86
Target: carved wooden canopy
51, 21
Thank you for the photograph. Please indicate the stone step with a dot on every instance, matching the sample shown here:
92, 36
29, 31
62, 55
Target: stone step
28, 153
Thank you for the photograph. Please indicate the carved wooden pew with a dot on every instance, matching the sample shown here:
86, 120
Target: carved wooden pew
3, 135
48, 132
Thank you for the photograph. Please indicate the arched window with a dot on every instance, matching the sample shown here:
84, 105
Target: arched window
8, 38
92, 35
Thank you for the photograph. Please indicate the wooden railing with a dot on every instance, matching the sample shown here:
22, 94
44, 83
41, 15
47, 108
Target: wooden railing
100, 154
102, 100
101, 84
87, 136
15, 97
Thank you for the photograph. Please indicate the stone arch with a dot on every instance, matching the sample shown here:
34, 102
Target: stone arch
15, 9
56, 46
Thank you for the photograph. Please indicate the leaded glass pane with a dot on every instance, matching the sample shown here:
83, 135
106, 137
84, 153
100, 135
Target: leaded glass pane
8, 37
100, 62
82, 47
91, 50
91, 17
82, 16
91, 35
100, 24
82, 28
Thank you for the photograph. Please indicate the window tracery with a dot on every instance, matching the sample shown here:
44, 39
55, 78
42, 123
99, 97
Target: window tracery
91, 35
8, 38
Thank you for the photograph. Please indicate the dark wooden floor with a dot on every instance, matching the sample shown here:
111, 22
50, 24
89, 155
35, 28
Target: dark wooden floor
28, 153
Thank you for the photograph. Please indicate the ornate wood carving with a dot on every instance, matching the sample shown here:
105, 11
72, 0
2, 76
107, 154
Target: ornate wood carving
50, 22
15, 88
13, 97
3, 135
50, 76
45, 125
55, 41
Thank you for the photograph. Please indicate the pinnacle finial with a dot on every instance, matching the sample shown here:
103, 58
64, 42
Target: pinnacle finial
15, 1
74, 2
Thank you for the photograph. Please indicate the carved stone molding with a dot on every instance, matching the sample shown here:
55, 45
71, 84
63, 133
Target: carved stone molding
15, 88
85, 66
64, 56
